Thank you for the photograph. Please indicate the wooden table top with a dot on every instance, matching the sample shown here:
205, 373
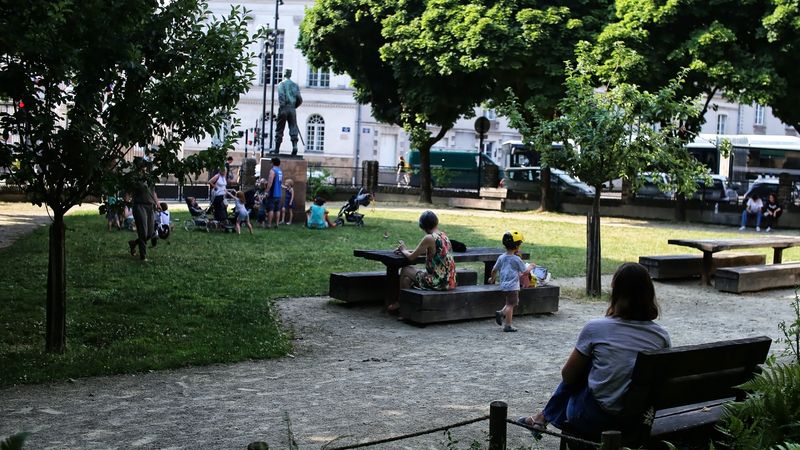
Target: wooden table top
718, 245
389, 257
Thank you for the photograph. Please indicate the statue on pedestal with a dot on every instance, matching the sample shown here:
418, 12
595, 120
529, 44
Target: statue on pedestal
289, 100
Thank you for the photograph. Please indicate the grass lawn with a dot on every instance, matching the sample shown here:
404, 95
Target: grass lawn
207, 297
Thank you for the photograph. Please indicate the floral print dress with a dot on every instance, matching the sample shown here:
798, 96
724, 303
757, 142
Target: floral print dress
440, 268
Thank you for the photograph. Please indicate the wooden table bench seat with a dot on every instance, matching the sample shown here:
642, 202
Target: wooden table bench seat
684, 389
757, 278
369, 287
667, 267
472, 302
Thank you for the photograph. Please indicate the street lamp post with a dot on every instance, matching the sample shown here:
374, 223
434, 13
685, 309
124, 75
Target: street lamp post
272, 79
268, 48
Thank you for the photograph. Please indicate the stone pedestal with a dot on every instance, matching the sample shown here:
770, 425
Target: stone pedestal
295, 169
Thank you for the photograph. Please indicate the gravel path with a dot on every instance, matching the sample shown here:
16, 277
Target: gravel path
358, 374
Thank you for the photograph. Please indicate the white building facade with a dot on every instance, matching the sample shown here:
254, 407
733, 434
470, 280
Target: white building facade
336, 131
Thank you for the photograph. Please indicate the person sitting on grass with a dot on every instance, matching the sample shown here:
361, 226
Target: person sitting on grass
163, 225
509, 268
317, 215
440, 268
597, 374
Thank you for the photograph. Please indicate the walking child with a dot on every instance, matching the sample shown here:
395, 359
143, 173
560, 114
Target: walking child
288, 202
242, 214
509, 268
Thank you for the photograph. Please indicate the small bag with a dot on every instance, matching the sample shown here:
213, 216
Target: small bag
458, 247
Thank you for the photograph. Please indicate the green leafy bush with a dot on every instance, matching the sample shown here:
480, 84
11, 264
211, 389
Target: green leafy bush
318, 186
770, 415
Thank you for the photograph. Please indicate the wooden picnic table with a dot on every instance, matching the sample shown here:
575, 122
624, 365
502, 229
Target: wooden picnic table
711, 246
394, 262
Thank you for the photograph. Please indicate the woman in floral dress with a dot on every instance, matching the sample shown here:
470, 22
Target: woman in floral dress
440, 268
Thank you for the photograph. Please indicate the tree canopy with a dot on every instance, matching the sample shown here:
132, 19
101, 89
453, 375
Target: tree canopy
395, 66
91, 80
740, 48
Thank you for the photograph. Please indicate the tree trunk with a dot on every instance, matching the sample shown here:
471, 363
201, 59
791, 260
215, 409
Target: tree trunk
56, 337
425, 188
546, 195
627, 190
593, 288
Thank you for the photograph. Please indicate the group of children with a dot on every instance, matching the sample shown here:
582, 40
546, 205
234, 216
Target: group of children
285, 213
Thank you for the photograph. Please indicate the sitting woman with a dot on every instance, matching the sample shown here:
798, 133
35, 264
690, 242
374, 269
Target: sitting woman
772, 210
317, 215
596, 376
440, 268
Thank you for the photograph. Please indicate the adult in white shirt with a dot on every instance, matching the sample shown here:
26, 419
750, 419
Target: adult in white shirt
597, 374
754, 208
219, 186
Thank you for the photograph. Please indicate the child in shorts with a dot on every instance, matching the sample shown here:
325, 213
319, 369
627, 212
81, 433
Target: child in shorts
288, 202
242, 214
509, 268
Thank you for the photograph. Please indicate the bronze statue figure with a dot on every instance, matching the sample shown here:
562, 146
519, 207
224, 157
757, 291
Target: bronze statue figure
289, 100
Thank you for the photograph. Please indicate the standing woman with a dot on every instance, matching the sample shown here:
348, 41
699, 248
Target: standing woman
145, 202
440, 268
219, 186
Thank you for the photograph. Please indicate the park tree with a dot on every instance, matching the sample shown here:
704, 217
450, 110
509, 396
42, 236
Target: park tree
401, 64
617, 132
741, 49
91, 80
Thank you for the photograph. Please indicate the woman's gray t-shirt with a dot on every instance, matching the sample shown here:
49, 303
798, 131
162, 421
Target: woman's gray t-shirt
613, 345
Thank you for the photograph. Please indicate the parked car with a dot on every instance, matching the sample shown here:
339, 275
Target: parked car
528, 179
719, 190
650, 186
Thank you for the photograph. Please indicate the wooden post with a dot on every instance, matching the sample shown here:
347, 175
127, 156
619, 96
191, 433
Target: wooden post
777, 255
611, 440
498, 411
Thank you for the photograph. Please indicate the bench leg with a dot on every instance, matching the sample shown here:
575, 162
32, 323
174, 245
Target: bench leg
487, 271
708, 267
777, 256
392, 285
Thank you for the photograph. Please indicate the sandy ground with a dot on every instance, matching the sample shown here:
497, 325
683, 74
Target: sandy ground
359, 374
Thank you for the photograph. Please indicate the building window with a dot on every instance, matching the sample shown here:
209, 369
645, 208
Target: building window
315, 131
320, 78
722, 123
277, 75
759, 119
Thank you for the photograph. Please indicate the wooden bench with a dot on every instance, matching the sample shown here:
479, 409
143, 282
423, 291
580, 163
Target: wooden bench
757, 278
369, 287
668, 267
684, 389
472, 302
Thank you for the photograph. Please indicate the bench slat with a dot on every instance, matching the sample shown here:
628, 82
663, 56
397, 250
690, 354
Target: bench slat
473, 302
757, 278
667, 267
369, 287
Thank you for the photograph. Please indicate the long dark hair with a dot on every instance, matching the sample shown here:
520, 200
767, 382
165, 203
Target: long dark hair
633, 296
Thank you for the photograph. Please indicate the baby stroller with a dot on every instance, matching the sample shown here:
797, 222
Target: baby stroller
349, 213
200, 219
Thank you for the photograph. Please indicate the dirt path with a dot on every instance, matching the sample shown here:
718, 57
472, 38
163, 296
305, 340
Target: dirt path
357, 373
17, 219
